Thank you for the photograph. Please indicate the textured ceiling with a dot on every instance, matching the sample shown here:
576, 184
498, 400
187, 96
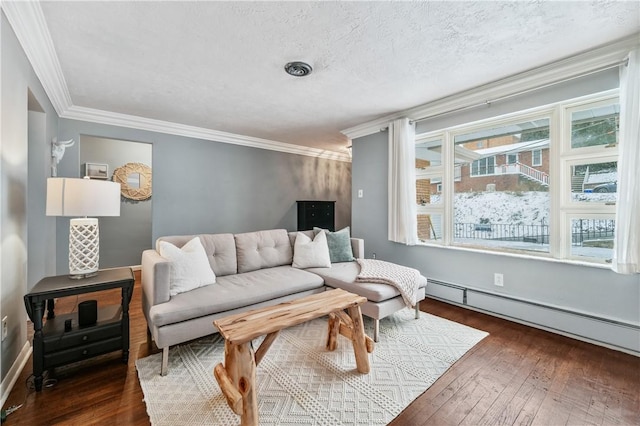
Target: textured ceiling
219, 65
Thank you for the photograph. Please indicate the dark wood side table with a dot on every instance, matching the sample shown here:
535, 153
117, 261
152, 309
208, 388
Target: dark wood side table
53, 345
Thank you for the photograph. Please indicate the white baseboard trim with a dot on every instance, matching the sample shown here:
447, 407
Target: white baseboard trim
14, 372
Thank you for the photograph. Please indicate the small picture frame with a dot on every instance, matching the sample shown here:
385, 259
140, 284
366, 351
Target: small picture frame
96, 171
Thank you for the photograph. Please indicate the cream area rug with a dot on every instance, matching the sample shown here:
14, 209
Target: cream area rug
300, 382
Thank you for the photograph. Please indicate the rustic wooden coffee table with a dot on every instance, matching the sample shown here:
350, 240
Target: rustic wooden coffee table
237, 377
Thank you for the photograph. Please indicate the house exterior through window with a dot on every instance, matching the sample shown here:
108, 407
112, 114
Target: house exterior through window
536, 157
539, 182
483, 166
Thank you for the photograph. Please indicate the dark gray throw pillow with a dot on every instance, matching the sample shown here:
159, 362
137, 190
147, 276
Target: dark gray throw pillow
339, 243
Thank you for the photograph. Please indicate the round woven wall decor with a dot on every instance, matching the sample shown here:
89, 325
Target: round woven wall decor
134, 180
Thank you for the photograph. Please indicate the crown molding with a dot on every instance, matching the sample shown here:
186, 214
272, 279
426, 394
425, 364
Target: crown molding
141, 123
30, 27
28, 23
574, 66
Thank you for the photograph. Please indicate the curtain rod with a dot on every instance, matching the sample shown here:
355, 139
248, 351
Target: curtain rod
624, 62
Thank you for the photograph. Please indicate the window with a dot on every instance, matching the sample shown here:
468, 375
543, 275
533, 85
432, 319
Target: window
536, 157
489, 188
589, 163
509, 207
592, 237
594, 182
483, 166
596, 125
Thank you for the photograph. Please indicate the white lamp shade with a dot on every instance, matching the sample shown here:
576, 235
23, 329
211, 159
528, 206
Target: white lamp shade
82, 197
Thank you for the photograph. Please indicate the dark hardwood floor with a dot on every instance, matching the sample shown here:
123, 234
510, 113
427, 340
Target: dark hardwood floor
517, 375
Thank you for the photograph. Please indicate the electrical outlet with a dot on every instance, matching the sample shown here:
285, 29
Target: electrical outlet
5, 328
374, 255
498, 279
360, 193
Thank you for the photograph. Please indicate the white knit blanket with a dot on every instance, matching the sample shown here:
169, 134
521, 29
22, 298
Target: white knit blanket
405, 279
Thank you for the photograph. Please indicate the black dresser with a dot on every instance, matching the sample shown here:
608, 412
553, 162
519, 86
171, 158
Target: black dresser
316, 213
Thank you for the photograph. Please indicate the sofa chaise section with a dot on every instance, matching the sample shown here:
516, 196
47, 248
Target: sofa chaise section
382, 299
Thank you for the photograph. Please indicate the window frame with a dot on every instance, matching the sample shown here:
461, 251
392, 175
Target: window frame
561, 156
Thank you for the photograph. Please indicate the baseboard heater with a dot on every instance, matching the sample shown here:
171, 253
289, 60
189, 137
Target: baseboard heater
604, 331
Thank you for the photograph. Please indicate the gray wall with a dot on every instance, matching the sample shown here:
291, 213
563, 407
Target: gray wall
202, 186
591, 290
122, 238
41, 258
26, 234
199, 186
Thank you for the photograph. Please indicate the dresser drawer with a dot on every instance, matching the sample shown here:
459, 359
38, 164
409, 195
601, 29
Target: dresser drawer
109, 325
320, 220
81, 337
82, 352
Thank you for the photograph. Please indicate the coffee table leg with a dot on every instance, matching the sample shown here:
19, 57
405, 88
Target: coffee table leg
334, 330
240, 364
358, 339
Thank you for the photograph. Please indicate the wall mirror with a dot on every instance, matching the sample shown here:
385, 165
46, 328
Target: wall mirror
135, 181
124, 237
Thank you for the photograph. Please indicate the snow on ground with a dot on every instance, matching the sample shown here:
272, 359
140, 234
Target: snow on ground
602, 177
594, 197
518, 208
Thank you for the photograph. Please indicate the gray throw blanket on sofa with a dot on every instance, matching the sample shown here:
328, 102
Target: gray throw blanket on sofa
405, 279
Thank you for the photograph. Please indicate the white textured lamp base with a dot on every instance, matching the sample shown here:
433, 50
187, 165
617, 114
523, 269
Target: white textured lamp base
84, 247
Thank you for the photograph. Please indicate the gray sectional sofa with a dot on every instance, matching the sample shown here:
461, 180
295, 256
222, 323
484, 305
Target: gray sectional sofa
252, 270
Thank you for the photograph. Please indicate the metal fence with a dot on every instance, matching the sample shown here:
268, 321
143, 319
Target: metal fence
582, 230
591, 229
502, 232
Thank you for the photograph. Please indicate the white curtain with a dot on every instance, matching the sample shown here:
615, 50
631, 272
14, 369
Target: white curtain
403, 223
626, 247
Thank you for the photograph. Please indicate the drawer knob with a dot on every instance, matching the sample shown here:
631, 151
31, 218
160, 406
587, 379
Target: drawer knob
85, 352
85, 338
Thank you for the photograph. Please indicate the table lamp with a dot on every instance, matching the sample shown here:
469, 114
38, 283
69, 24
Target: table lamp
83, 197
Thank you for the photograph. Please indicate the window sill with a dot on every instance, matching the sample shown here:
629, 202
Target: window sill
542, 257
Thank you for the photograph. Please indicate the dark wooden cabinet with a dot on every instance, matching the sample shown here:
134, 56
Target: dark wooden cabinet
53, 345
316, 213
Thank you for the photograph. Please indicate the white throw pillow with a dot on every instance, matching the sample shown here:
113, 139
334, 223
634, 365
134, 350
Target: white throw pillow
311, 254
189, 266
